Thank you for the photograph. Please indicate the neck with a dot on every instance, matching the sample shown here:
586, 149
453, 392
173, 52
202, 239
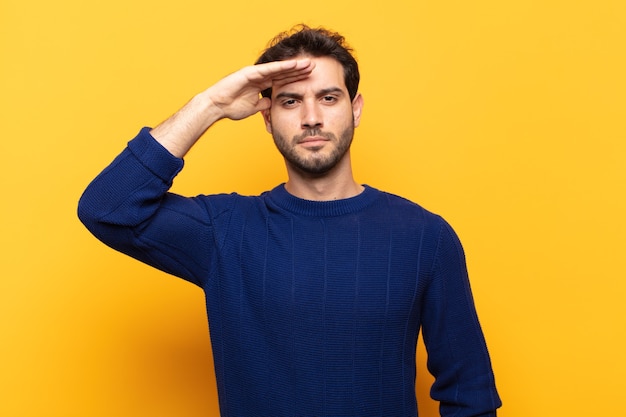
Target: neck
336, 184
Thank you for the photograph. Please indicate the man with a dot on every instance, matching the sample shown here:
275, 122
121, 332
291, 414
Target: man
317, 289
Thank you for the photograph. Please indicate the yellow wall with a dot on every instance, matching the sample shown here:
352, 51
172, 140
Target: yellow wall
506, 117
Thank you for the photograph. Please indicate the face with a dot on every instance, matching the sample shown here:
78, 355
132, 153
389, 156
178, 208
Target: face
312, 121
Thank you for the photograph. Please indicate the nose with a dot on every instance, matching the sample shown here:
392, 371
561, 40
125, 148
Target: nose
311, 115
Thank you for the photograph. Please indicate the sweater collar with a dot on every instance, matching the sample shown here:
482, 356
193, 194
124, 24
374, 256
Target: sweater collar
281, 198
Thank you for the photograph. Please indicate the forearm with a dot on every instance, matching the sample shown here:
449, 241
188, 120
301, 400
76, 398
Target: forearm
182, 130
128, 205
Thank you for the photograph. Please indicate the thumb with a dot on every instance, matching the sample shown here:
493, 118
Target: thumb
263, 104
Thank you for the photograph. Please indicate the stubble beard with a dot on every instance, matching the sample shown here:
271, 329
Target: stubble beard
314, 162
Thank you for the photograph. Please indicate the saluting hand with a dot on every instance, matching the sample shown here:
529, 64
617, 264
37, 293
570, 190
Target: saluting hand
235, 97
238, 95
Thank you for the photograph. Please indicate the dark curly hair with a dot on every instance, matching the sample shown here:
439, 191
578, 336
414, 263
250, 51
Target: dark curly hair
315, 42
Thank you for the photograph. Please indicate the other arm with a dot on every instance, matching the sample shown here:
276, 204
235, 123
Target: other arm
457, 352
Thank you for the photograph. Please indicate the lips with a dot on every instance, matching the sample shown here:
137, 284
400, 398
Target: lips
310, 139
313, 142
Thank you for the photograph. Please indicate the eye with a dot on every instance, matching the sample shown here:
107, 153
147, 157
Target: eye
291, 102
329, 99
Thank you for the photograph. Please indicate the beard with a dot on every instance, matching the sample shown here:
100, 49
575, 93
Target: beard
314, 162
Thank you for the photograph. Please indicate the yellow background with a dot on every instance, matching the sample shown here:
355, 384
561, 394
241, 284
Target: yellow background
506, 117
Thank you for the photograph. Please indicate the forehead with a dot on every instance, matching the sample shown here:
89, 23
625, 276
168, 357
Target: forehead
328, 73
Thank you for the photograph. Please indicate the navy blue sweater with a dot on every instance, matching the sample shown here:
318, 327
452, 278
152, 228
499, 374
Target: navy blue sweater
314, 307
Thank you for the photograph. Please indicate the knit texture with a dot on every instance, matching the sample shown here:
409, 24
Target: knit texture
314, 307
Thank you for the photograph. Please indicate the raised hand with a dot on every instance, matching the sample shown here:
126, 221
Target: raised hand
238, 95
235, 97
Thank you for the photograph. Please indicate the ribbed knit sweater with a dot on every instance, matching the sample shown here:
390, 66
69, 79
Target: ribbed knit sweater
314, 307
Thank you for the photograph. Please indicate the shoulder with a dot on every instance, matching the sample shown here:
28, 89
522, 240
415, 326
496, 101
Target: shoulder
409, 217
404, 207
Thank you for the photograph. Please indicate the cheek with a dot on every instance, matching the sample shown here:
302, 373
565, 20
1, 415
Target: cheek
282, 122
341, 119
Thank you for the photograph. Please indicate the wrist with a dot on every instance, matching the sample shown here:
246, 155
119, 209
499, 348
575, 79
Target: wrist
205, 109
181, 131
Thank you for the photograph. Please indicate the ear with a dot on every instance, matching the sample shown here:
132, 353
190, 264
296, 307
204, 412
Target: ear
267, 119
357, 108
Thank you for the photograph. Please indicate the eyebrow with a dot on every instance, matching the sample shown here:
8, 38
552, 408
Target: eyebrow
320, 93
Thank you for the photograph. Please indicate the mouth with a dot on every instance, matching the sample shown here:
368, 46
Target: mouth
313, 141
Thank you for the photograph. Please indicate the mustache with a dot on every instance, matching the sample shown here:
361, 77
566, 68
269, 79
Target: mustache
314, 132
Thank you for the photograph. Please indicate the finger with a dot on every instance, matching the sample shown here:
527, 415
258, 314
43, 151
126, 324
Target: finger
291, 74
290, 77
280, 69
279, 82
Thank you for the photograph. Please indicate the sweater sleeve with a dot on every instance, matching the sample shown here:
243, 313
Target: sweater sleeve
457, 354
128, 207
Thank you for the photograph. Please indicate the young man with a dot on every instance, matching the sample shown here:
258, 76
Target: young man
317, 289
